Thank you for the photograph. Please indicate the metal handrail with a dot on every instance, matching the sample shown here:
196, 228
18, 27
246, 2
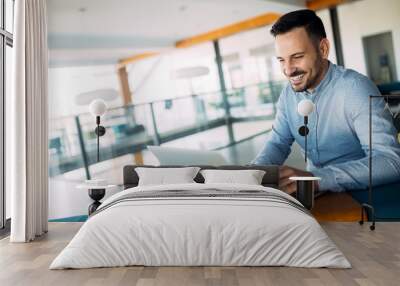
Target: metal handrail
133, 105
134, 142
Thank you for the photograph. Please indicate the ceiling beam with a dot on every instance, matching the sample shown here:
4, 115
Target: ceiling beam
299, 3
135, 58
252, 23
323, 4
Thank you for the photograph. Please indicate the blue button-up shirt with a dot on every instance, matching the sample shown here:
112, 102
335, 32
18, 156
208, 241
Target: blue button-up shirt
338, 141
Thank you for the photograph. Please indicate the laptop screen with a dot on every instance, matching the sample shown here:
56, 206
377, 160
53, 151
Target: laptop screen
181, 156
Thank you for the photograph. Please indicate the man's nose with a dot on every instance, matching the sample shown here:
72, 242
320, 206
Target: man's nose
289, 69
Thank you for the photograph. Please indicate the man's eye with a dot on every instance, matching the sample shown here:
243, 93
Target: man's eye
298, 57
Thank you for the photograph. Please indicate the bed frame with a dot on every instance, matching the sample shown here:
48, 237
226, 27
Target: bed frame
270, 179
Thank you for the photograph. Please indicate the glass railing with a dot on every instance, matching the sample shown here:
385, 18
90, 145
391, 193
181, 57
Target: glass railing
129, 129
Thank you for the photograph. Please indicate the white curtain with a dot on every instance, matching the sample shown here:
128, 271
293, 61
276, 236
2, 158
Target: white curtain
28, 152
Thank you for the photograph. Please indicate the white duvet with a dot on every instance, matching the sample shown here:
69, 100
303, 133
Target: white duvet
200, 231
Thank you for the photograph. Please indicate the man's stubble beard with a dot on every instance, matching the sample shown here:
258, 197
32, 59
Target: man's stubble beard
319, 62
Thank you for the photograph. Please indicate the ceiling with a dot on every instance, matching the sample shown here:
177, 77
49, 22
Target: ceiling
87, 32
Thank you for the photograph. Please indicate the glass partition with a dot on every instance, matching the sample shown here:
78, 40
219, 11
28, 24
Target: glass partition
199, 119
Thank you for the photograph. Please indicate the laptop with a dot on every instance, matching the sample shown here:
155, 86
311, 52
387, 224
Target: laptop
182, 156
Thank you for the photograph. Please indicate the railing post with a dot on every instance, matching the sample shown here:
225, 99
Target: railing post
272, 92
82, 147
200, 112
225, 101
130, 115
336, 36
156, 137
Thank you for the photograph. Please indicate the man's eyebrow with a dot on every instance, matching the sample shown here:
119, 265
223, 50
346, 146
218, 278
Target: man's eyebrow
293, 55
297, 54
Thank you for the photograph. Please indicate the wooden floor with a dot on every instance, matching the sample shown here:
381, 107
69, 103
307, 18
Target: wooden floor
375, 257
333, 206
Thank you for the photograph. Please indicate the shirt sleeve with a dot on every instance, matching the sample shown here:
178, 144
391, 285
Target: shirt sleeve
385, 145
277, 147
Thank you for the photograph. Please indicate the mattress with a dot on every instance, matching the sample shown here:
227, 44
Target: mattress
201, 225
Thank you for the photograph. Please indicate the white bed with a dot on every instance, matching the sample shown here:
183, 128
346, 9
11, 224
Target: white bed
185, 230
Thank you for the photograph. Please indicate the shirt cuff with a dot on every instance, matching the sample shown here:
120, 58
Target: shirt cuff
328, 180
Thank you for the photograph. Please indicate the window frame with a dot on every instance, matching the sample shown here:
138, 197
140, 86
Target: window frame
6, 39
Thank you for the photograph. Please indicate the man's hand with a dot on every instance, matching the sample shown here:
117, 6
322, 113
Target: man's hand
287, 185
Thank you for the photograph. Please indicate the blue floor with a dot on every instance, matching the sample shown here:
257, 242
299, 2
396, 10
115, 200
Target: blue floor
385, 200
79, 218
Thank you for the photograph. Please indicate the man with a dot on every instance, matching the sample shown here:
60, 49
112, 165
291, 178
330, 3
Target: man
338, 138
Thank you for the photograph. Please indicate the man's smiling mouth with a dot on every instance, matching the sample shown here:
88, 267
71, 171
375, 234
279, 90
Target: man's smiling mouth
296, 79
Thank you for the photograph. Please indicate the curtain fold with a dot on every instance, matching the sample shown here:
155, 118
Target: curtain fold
28, 123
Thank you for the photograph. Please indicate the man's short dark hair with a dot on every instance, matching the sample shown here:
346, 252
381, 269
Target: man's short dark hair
297, 19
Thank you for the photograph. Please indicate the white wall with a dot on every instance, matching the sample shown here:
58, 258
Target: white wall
326, 19
68, 82
364, 18
152, 79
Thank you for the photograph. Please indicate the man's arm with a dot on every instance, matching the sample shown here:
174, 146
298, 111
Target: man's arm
280, 139
385, 147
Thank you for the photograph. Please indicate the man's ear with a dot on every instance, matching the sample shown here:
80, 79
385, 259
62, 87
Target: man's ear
324, 46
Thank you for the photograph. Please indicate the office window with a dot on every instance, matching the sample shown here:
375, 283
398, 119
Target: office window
6, 43
8, 71
9, 12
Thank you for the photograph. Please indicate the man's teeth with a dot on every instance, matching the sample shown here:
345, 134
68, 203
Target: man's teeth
299, 77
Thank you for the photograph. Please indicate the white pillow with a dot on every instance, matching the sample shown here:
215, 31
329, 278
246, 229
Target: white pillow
249, 177
162, 176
